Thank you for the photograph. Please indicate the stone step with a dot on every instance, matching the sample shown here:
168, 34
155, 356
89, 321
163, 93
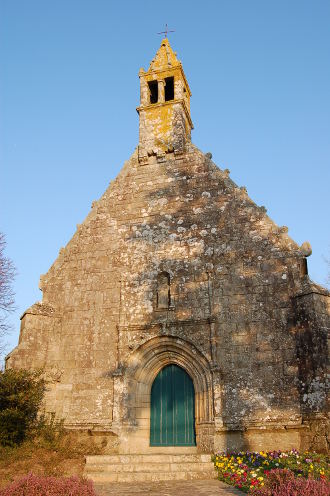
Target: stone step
148, 458
149, 467
150, 477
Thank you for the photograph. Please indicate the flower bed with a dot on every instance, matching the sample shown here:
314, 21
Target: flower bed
34, 485
248, 471
283, 482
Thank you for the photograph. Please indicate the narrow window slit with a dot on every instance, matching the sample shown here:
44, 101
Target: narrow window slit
163, 291
304, 267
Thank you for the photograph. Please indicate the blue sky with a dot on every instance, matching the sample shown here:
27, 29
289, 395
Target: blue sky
260, 78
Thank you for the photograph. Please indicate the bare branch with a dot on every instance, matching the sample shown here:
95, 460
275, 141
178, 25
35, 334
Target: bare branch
7, 300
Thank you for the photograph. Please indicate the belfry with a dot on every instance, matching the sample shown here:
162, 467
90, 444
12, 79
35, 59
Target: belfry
165, 122
180, 319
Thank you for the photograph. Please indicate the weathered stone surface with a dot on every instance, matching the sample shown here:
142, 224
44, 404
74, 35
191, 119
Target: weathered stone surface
149, 467
241, 315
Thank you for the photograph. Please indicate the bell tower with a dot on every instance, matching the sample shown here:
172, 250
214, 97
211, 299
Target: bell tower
165, 123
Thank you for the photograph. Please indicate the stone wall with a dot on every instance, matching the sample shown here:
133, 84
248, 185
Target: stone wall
242, 318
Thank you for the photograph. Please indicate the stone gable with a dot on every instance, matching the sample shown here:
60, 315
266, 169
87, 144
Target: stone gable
176, 264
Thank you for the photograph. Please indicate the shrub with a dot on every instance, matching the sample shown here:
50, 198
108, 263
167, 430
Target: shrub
33, 485
21, 393
50, 431
284, 483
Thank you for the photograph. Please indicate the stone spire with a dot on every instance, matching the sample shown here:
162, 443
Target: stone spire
165, 122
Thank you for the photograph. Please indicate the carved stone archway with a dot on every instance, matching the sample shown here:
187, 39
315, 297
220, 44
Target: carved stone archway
144, 365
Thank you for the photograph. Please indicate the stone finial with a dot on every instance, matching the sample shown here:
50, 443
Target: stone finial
227, 172
165, 57
306, 249
284, 229
263, 209
208, 155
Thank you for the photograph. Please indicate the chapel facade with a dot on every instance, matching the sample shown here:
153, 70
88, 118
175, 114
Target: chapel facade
180, 314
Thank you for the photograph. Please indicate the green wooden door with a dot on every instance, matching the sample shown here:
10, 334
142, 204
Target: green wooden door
172, 415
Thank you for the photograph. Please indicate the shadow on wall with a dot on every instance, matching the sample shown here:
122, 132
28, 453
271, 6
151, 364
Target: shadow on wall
231, 278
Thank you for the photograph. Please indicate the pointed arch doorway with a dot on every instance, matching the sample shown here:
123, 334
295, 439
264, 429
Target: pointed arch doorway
172, 408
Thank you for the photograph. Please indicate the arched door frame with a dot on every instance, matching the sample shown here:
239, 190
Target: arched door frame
144, 365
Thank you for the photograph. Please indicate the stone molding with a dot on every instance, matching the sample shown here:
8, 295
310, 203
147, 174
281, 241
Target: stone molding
39, 309
140, 372
166, 325
170, 102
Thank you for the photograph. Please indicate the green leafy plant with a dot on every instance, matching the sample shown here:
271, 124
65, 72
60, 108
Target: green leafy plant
50, 431
21, 394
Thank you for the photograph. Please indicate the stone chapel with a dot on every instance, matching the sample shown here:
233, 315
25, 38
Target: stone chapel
179, 314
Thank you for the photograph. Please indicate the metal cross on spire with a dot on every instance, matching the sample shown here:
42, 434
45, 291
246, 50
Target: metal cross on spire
166, 31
